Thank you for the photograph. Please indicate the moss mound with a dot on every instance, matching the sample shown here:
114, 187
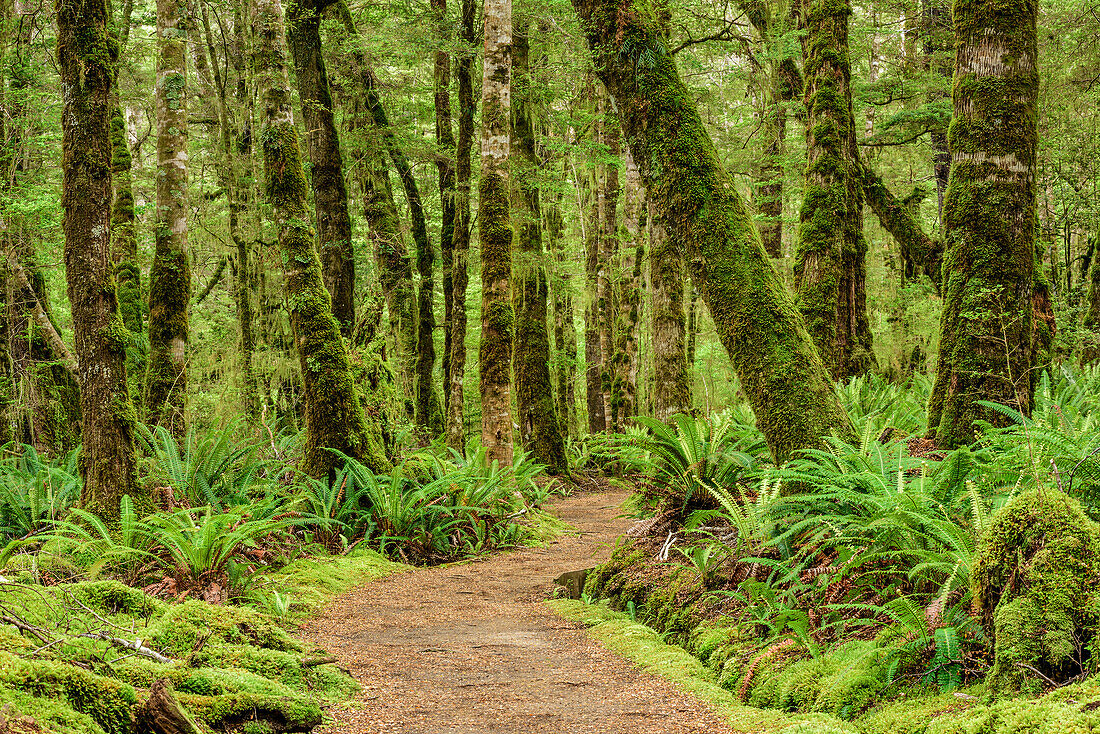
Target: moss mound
1034, 584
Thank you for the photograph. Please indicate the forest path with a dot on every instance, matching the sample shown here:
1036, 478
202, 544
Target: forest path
470, 648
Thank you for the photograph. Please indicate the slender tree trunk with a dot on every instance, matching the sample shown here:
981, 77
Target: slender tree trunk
124, 252
830, 271
629, 296
456, 364
231, 175
333, 415
445, 164
607, 197
938, 42
565, 331
494, 217
170, 277
86, 67
330, 195
989, 333
756, 317
672, 387
593, 356
540, 431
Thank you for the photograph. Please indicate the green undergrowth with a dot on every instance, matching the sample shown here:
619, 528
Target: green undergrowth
1073, 709
232, 668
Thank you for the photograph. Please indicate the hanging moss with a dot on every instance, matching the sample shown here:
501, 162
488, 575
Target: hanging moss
759, 325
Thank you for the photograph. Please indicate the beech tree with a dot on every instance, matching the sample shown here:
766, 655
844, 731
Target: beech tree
990, 336
170, 277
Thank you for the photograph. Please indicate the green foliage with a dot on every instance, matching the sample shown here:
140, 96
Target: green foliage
35, 491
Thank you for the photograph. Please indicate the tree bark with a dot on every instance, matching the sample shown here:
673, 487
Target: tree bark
628, 299
565, 331
540, 431
330, 195
989, 333
830, 270
495, 226
607, 201
593, 355
757, 319
334, 418
445, 165
170, 277
456, 365
86, 66
672, 388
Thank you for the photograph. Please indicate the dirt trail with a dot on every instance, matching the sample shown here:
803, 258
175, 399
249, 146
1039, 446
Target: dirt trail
469, 649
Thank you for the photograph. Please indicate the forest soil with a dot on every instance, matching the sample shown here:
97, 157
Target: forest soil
471, 648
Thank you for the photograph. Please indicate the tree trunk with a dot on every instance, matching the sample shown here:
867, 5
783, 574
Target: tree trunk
124, 252
919, 252
85, 62
593, 356
830, 271
330, 195
672, 388
334, 418
456, 364
938, 42
494, 217
445, 165
540, 431
607, 198
629, 296
988, 332
565, 331
170, 276
757, 320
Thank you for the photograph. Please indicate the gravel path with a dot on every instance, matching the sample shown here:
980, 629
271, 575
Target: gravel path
469, 649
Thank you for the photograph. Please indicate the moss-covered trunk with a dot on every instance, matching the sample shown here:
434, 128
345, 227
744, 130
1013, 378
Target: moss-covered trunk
333, 416
85, 62
495, 227
170, 276
920, 254
672, 387
628, 299
565, 331
607, 203
830, 269
330, 195
757, 319
938, 42
445, 166
455, 375
988, 333
539, 429
593, 355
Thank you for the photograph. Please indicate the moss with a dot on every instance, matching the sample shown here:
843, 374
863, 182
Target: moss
48, 714
911, 716
281, 714
1034, 586
113, 597
107, 702
188, 626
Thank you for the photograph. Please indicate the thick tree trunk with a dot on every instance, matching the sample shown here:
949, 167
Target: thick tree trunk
108, 416
989, 332
672, 388
330, 195
540, 431
455, 375
494, 217
334, 418
830, 270
757, 319
170, 277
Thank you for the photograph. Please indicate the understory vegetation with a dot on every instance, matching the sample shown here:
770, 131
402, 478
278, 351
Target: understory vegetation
886, 584
199, 589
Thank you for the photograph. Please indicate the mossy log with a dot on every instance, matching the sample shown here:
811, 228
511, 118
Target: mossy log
161, 713
758, 321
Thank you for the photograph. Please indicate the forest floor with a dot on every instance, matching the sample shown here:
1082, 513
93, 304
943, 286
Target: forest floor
470, 648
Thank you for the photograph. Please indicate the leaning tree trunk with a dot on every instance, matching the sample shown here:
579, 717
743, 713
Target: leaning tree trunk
456, 364
170, 276
830, 269
757, 320
334, 418
540, 430
330, 195
672, 387
108, 416
988, 332
495, 226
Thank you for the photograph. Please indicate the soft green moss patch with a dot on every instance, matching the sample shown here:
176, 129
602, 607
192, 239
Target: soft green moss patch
311, 582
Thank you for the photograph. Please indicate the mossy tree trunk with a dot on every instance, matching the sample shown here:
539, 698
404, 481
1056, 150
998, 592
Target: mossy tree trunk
124, 252
593, 355
86, 67
445, 165
539, 428
938, 42
988, 332
455, 375
756, 316
607, 202
830, 269
495, 227
920, 254
628, 298
330, 195
672, 387
170, 276
565, 331
333, 416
